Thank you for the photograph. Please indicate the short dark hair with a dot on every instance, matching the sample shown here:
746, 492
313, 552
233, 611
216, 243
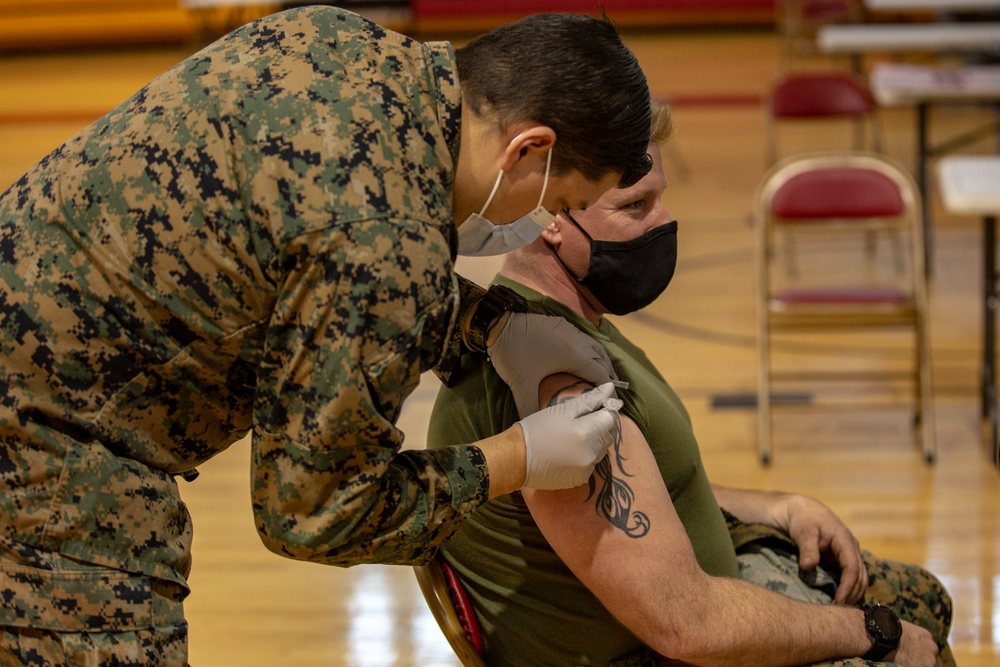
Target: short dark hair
573, 73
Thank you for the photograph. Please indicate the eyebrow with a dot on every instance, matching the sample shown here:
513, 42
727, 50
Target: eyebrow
653, 192
639, 195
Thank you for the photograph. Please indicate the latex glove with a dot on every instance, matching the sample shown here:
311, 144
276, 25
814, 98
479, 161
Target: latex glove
563, 443
532, 347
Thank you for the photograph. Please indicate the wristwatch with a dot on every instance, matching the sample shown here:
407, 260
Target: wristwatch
485, 315
884, 628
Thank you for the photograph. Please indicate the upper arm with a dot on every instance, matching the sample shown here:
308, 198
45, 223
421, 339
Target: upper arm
620, 534
339, 358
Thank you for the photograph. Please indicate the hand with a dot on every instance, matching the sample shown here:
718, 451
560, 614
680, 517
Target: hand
916, 648
563, 443
531, 347
818, 531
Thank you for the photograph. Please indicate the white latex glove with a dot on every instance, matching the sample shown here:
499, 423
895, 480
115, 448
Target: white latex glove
532, 347
564, 442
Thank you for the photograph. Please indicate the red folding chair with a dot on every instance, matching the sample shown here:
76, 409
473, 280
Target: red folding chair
452, 609
834, 200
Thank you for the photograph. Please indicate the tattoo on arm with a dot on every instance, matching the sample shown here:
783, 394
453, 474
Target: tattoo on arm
566, 393
615, 497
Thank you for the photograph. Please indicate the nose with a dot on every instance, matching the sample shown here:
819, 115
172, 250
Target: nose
658, 216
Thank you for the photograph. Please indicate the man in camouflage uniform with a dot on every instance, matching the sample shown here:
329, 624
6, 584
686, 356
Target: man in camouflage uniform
649, 558
263, 239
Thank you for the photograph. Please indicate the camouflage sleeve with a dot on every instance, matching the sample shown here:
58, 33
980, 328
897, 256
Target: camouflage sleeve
329, 482
469, 293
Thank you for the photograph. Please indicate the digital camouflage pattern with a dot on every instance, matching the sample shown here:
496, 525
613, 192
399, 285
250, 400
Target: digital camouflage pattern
259, 240
66, 612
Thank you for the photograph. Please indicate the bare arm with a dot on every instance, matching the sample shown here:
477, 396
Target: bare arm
634, 555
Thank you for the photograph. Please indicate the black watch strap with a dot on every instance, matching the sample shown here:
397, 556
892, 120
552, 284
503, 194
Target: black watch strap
884, 628
497, 301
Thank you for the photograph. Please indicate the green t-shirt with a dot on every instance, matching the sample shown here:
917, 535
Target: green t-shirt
532, 609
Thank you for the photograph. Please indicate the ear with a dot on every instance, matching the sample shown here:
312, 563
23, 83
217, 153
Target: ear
553, 233
529, 141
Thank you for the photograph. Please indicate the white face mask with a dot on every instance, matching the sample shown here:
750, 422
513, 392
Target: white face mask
478, 237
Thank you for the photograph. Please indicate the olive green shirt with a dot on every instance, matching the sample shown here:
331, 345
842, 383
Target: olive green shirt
532, 609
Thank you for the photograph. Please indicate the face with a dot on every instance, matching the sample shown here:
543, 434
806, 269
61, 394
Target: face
618, 215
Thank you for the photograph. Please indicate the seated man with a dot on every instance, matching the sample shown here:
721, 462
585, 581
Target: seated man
641, 563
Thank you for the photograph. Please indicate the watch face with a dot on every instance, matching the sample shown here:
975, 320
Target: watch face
883, 622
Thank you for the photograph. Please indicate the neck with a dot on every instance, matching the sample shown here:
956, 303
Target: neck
536, 267
466, 197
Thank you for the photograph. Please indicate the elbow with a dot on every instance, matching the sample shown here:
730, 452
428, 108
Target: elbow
341, 543
684, 642
689, 631
277, 539
678, 640
295, 537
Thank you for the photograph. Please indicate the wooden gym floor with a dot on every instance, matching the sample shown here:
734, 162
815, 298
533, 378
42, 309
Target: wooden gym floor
254, 609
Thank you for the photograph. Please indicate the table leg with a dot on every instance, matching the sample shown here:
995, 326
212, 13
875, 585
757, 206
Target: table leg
922, 155
989, 391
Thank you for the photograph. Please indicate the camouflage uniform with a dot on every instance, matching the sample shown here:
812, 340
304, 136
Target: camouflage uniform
260, 239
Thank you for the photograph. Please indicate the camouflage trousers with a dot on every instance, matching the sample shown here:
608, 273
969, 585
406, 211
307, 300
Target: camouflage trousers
59, 612
769, 558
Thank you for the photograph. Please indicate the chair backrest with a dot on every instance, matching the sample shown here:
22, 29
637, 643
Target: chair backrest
808, 97
842, 184
837, 191
820, 94
860, 191
452, 609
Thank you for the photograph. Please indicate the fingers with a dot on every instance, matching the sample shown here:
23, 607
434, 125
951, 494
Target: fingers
532, 347
820, 535
853, 583
594, 367
853, 573
563, 443
853, 580
593, 399
809, 552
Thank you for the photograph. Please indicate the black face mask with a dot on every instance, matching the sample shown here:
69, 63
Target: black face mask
626, 276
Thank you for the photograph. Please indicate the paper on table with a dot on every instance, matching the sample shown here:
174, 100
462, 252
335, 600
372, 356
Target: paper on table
927, 78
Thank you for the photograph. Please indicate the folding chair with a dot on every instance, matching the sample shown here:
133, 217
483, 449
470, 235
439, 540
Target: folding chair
452, 610
838, 198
